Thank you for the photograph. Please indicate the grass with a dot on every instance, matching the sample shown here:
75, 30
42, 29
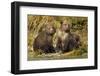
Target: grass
56, 56
35, 23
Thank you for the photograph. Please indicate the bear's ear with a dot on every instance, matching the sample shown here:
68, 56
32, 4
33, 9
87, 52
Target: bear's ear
42, 29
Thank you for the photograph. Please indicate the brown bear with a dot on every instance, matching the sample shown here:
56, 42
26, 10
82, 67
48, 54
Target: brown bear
66, 40
44, 40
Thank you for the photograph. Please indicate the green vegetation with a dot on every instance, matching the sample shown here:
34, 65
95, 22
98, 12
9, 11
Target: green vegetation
79, 26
